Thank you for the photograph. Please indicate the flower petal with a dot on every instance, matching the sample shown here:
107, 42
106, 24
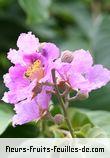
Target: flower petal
82, 61
77, 81
28, 43
98, 76
50, 51
26, 111
30, 110
16, 77
15, 57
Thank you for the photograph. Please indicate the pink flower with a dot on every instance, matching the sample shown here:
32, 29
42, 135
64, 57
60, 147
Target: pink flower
80, 73
33, 62
27, 80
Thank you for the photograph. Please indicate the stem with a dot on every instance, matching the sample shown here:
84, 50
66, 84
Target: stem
62, 105
73, 99
42, 128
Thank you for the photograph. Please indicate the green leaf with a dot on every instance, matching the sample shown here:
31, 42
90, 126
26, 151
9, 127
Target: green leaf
77, 12
100, 40
101, 119
57, 133
6, 114
96, 132
36, 10
83, 130
5, 3
74, 40
84, 126
29, 130
78, 118
98, 100
83, 18
91, 132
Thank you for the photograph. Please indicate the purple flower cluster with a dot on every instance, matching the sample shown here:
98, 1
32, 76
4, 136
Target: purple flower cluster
29, 78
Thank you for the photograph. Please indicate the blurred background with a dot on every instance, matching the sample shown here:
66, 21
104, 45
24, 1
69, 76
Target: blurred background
71, 24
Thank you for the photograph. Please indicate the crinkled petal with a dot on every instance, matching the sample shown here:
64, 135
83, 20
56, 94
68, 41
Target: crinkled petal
7, 80
15, 77
26, 111
77, 81
50, 51
15, 57
44, 97
30, 110
64, 70
82, 61
74, 79
31, 58
97, 76
19, 86
5, 97
10, 97
47, 74
28, 43
19, 94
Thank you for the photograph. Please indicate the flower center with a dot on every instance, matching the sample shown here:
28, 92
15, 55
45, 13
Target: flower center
35, 71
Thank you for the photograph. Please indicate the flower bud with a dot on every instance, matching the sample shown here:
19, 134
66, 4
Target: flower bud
67, 57
58, 118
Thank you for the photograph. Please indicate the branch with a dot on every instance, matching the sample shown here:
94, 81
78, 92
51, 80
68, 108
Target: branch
62, 105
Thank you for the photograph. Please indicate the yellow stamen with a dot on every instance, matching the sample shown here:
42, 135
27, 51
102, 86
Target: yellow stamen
35, 70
